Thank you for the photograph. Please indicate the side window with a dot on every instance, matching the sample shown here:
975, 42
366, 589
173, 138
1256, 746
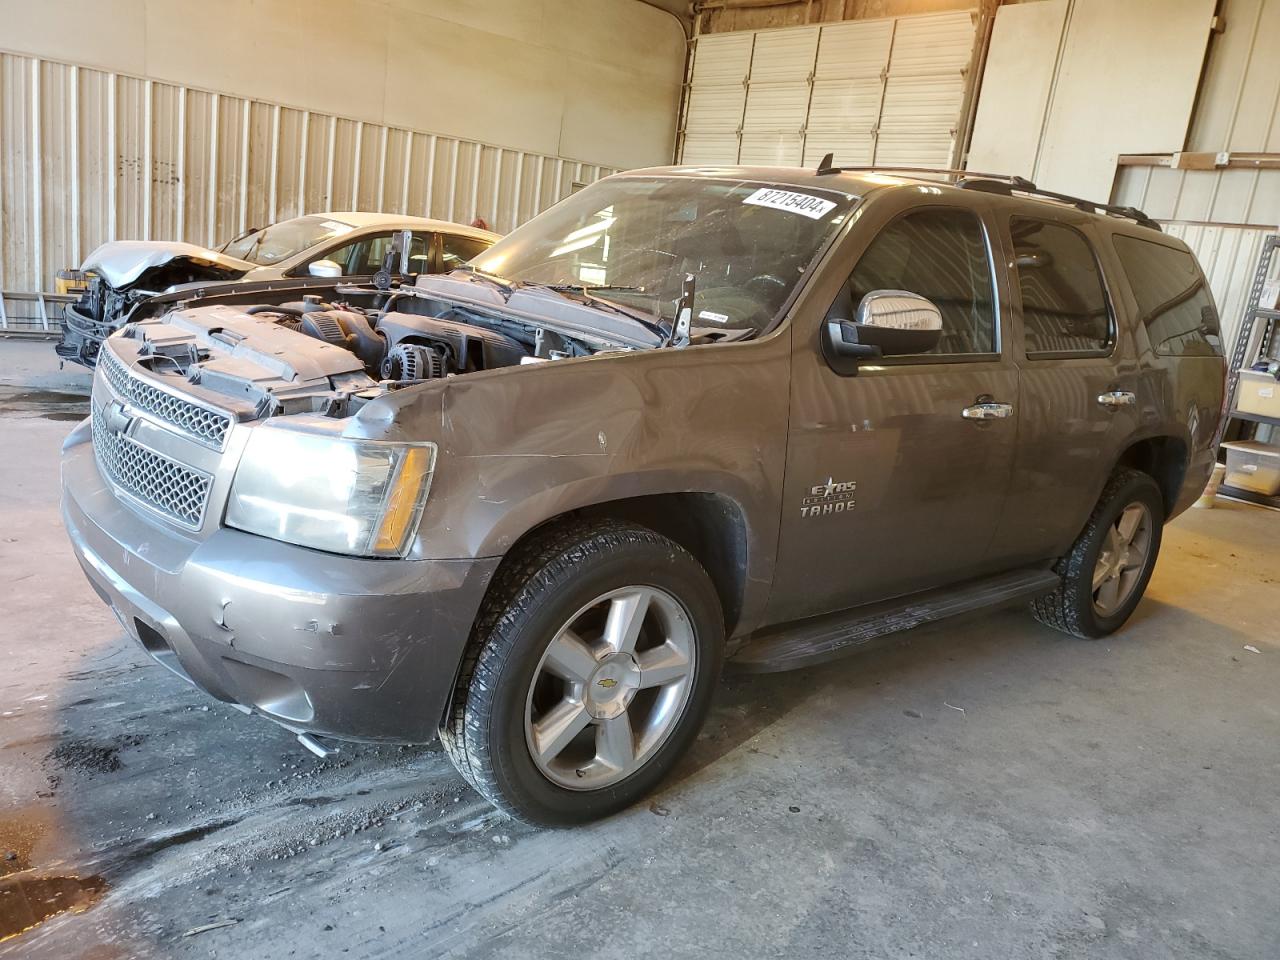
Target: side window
364, 257
1173, 298
349, 257
940, 254
420, 253
1064, 305
455, 250
377, 252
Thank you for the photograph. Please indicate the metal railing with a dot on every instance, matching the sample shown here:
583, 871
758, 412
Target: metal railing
33, 314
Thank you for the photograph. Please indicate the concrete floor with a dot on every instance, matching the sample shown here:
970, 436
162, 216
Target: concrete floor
988, 789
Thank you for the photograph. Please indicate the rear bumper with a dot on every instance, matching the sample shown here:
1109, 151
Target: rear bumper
1193, 482
339, 646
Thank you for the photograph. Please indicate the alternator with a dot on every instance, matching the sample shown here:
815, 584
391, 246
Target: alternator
412, 361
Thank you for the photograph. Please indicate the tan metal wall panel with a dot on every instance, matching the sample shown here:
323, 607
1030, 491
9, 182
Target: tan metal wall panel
1239, 103
596, 79
1126, 83
848, 91
1213, 196
924, 90
888, 91
1016, 82
91, 156
717, 96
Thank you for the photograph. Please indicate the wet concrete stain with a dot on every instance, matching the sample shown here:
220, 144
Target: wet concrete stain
20, 833
145, 849
28, 901
89, 756
54, 405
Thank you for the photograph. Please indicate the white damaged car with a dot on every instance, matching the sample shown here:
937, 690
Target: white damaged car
125, 276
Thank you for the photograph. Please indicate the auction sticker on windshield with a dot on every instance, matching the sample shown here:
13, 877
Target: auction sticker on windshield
815, 208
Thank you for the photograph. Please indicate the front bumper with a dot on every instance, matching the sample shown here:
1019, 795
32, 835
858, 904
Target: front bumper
82, 337
337, 646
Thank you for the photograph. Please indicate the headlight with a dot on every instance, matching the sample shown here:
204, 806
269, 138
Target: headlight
362, 497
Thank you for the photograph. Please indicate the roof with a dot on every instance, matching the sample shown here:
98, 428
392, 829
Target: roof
861, 181
853, 184
364, 218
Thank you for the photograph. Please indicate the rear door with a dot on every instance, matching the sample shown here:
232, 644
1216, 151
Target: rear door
890, 487
1077, 381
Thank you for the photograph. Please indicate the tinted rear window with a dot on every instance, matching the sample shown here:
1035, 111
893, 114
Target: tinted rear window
1173, 298
1064, 306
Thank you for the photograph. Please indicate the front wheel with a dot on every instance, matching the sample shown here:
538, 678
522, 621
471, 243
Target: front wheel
1107, 570
590, 671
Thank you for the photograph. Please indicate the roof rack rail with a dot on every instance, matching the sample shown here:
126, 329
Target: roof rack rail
1007, 185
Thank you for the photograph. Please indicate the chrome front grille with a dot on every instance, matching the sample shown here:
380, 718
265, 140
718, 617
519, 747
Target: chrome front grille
208, 426
177, 491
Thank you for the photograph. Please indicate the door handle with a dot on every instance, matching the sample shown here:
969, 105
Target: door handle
988, 410
1117, 398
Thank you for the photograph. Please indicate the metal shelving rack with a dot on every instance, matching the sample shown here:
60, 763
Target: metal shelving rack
1240, 425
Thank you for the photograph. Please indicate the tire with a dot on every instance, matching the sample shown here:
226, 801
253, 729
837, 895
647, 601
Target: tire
508, 689
1073, 607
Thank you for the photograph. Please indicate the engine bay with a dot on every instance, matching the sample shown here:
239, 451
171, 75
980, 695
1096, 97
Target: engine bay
329, 356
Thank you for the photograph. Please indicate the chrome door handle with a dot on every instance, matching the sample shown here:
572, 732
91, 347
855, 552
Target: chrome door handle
988, 410
1117, 398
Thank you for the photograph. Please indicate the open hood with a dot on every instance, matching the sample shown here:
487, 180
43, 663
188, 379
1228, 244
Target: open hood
122, 262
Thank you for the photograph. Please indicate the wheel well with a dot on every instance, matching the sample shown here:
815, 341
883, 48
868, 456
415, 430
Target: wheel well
1164, 459
708, 525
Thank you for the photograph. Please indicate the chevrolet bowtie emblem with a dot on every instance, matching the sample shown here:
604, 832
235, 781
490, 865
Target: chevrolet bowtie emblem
118, 417
607, 682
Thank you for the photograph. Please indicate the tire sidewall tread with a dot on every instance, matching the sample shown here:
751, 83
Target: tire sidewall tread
540, 584
1069, 608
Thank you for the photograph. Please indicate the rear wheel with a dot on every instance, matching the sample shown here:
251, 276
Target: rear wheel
590, 671
1110, 564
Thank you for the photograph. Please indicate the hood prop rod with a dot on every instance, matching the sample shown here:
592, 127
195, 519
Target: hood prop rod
679, 335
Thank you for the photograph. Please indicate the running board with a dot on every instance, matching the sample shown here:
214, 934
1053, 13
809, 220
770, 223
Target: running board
819, 639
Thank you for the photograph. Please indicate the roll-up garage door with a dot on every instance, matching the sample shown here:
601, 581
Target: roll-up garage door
713, 117
870, 91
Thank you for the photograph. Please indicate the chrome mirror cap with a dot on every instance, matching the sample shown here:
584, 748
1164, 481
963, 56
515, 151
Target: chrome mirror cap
324, 268
898, 310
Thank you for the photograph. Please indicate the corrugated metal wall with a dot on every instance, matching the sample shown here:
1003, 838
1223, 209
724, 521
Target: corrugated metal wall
1229, 257
1224, 214
1238, 111
1207, 196
93, 156
883, 91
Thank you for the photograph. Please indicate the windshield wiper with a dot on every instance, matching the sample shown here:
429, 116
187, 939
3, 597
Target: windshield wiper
584, 293
622, 287
498, 282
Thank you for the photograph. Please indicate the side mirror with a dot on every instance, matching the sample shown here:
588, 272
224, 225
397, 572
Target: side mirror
324, 268
887, 323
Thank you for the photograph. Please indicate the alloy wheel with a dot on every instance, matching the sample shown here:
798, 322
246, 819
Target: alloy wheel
1122, 559
610, 687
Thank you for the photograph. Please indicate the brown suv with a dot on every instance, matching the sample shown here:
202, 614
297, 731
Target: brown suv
686, 415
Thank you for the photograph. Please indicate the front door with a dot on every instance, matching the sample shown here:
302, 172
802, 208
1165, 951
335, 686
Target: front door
896, 477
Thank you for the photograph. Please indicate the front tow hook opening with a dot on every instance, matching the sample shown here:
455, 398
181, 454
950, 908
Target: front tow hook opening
317, 746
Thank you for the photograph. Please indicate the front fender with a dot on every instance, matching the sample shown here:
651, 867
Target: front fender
520, 446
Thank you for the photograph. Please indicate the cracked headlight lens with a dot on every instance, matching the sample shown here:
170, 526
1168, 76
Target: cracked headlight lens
359, 497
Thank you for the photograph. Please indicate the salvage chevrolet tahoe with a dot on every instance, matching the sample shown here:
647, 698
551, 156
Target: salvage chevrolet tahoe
686, 416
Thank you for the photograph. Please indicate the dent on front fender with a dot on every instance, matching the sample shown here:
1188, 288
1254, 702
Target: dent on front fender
522, 445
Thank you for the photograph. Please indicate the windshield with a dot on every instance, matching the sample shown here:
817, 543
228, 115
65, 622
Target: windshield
283, 240
634, 239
